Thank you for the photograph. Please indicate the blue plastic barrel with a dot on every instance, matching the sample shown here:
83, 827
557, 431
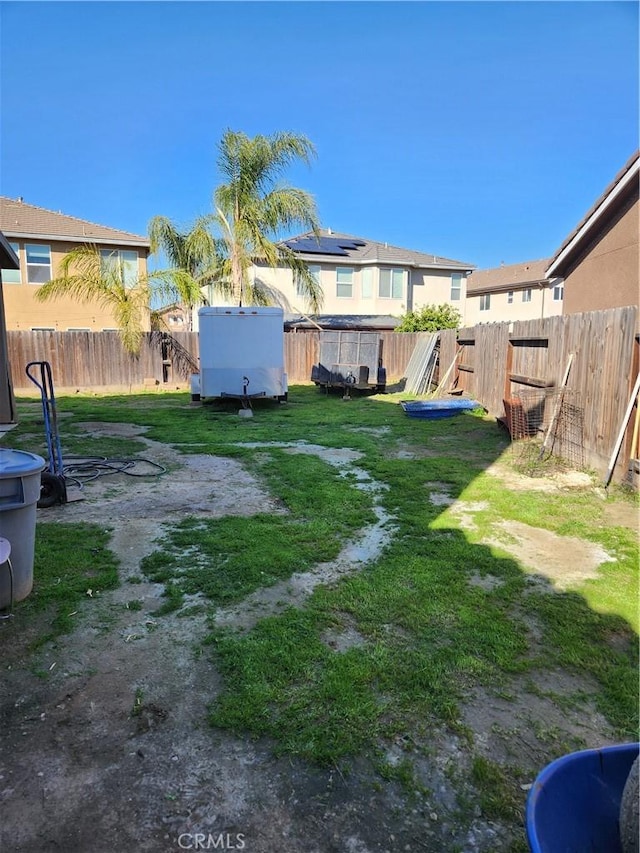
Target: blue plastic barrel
574, 804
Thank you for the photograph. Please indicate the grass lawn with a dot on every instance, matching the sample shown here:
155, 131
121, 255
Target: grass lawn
444, 614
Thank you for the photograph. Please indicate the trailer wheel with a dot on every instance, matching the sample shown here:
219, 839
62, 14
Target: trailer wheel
51, 490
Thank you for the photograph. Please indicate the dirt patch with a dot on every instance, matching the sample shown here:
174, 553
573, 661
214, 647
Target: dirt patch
344, 637
553, 482
622, 514
563, 560
517, 726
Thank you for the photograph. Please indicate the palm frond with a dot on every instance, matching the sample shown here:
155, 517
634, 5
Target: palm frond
289, 207
177, 285
303, 279
251, 210
129, 313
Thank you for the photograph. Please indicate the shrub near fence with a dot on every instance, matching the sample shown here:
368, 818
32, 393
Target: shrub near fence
491, 362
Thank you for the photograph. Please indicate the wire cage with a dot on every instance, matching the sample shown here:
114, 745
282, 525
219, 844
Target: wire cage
547, 422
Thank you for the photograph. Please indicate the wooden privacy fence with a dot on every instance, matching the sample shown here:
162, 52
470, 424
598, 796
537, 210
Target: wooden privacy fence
492, 362
93, 360
89, 360
528, 359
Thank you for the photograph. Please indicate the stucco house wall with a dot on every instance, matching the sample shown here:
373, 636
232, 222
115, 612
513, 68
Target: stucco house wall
605, 274
419, 288
600, 259
506, 308
513, 292
25, 225
24, 312
437, 287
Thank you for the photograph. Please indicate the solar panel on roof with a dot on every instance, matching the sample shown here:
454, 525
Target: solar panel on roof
312, 246
324, 245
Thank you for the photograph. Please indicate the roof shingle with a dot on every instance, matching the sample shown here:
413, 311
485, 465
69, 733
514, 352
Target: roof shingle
18, 219
504, 277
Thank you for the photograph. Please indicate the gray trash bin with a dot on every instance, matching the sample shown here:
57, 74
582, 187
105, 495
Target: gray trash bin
19, 493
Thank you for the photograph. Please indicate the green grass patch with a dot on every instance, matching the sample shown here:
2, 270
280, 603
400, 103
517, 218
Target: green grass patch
499, 798
284, 682
428, 638
72, 565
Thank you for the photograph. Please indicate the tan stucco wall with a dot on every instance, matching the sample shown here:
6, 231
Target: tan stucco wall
426, 288
24, 312
606, 275
432, 287
500, 311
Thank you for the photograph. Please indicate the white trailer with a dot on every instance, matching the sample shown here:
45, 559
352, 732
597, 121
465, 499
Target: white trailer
241, 353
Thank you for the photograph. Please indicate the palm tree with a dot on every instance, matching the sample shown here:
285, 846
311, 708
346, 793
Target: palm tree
86, 275
192, 255
251, 209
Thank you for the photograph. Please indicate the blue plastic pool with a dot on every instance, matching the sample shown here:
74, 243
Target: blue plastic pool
431, 409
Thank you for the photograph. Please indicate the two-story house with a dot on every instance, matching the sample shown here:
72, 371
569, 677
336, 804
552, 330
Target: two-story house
513, 292
40, 238
365, 277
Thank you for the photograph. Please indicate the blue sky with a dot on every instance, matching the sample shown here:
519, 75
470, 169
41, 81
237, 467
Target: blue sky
480, 131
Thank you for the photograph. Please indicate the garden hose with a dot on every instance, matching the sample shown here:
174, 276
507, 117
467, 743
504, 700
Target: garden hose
83, 469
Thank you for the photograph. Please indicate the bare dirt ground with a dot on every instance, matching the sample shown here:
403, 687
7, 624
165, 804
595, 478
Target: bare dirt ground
80, 774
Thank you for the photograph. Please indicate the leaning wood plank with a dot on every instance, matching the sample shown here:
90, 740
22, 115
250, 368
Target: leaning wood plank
533, 381
445, 377
636, 431
558, 406
623, 429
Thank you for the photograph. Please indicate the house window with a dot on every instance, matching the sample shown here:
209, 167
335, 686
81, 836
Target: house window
12, 276
485, 302
124, 262
367, 283
42, 329
344, 281
391, 284
526, 295
510, 297
558, 292
456, 286
38, 263
314, 270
